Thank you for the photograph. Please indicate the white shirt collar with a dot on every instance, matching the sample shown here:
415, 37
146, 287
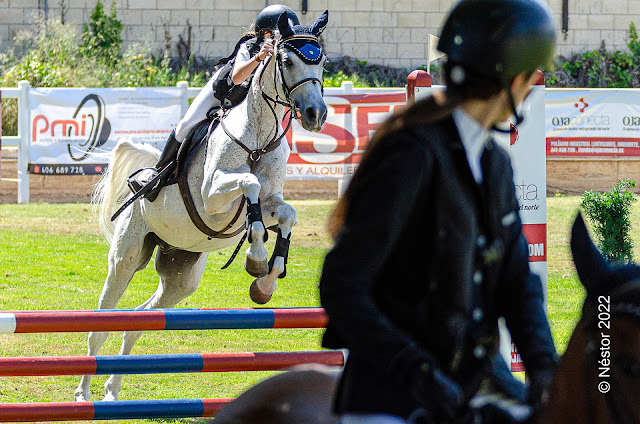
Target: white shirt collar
474, 138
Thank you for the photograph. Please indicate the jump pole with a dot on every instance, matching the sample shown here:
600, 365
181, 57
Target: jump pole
155, 364
159, 319
116, 410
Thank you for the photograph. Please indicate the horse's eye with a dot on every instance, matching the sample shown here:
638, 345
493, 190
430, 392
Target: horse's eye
286, 60
628, 366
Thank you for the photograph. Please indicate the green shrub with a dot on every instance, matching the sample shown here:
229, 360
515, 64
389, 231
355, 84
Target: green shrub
102, 37
609, 216
57, 56
363, 74
600, 68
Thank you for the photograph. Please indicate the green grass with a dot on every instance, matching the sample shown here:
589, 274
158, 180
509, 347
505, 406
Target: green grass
53, 257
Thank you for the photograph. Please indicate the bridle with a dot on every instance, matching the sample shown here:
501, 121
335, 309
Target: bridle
619, 305
254, 156
289, 44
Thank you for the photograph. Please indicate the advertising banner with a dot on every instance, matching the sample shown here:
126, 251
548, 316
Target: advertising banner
73, 130
526, 149
598, 122
335, 152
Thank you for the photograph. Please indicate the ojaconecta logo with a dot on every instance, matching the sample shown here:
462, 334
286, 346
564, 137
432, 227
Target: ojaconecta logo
580, 120
84, 132
565, 121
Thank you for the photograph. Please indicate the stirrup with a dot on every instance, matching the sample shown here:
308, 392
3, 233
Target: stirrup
135, 185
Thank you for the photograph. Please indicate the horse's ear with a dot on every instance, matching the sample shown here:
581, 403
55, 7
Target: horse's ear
283, 26
320, 24
593, 269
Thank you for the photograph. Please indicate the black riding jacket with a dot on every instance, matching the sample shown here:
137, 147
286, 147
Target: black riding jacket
426, 262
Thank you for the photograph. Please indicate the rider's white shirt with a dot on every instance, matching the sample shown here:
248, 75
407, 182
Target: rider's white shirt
474, 137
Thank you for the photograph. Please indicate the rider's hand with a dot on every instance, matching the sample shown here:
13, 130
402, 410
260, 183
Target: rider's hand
266, 50
440, 394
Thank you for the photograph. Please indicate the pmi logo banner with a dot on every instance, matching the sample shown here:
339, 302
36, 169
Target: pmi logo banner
87, 129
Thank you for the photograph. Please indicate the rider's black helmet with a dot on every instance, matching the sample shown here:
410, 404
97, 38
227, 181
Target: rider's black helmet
498, 39
268, 18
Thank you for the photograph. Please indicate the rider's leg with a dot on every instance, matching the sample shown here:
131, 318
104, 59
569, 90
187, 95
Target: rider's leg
197, 111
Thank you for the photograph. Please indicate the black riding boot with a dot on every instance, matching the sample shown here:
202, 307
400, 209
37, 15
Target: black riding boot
168, 156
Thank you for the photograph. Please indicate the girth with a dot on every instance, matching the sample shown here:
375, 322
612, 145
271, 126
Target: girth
185, 192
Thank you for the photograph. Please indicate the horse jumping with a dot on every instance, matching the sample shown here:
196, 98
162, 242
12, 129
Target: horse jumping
240, 172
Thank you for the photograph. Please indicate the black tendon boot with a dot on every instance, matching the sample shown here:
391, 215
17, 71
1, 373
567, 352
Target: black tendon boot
138, 180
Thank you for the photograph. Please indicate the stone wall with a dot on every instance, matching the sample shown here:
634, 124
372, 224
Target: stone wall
389, 32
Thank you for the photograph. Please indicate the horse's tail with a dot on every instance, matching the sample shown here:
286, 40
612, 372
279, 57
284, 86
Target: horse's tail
112, 190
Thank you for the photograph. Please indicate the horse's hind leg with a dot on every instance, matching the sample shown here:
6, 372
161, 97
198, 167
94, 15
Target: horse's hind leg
130, 252
275, 207
180, 274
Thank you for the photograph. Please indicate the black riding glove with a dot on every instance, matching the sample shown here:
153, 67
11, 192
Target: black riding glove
440, 394
539, 385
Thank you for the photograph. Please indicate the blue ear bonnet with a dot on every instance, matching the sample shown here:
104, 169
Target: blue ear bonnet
306, 48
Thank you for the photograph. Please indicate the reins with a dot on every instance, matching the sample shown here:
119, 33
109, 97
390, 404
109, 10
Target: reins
253, 156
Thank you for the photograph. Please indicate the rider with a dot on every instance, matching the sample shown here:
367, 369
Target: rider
429, 250
250, 53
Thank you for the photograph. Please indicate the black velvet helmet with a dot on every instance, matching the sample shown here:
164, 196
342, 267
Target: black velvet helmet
497, 39
268, 18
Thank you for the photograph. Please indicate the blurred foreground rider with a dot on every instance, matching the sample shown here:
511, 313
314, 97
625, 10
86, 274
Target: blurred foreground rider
226, 88
429, 250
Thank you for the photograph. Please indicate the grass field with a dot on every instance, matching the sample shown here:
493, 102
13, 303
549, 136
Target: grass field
52, 257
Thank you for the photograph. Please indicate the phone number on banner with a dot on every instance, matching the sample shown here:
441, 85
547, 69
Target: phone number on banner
67, 169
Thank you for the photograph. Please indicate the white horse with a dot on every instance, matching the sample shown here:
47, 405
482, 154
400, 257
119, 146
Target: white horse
242, 160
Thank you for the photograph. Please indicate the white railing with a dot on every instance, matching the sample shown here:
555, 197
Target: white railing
21, 141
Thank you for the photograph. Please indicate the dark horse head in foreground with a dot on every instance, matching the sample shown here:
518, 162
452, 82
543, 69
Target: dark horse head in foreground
597, 381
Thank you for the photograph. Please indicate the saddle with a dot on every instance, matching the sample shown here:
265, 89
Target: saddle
190, 146
177, 166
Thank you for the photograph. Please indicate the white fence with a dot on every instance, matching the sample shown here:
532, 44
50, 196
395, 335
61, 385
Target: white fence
354, 113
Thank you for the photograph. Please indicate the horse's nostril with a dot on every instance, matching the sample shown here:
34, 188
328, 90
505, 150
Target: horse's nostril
310, 114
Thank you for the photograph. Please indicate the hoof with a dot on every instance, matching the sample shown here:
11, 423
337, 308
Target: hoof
257, 296
109, 397
255, 268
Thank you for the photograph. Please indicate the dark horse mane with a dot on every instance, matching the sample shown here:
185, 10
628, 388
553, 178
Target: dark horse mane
598, 376
599, 278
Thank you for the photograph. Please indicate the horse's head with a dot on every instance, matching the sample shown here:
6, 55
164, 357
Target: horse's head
299, 65
597, 276
598, 377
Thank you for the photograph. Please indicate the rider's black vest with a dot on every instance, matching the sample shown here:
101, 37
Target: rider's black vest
228, 93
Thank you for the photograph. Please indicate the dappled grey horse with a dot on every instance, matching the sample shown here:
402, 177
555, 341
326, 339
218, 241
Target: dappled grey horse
240, 173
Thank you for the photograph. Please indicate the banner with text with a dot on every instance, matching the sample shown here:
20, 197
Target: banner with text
74, 130
597, 122
335, 151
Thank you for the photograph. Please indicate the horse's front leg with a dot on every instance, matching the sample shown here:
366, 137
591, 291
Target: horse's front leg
275, 210
219, 193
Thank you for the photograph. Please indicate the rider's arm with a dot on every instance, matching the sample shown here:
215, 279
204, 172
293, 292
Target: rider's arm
245, 64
